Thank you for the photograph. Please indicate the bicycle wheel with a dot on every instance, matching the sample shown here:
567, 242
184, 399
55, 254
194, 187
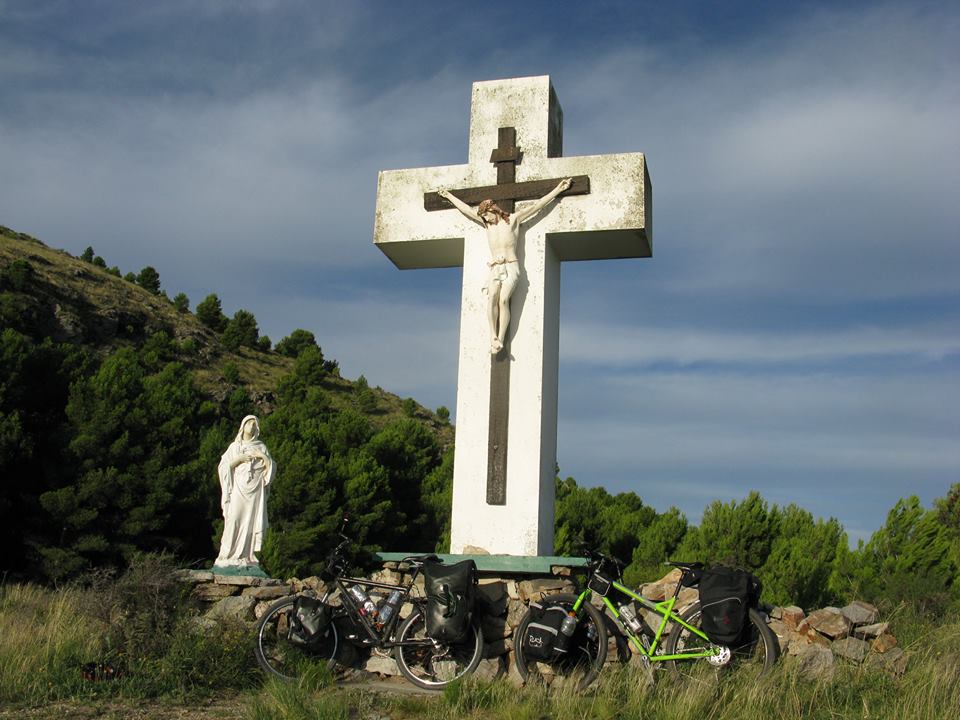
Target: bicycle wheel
752, 655
431, 664
277, 656
585, 658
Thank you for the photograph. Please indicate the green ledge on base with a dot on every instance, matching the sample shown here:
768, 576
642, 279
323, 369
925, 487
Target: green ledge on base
239, 571
520, 564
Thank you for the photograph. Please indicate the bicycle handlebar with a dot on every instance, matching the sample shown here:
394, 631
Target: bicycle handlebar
598, 558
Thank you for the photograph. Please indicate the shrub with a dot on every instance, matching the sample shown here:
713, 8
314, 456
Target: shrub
18, 275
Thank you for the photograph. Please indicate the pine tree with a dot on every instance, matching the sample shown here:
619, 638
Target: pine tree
149, 280
210, 313
296, 342
241, 330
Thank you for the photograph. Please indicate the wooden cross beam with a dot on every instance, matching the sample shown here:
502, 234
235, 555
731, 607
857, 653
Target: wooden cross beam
507, 191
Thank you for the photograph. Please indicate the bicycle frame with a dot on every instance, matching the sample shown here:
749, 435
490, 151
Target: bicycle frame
379, 637
664, 609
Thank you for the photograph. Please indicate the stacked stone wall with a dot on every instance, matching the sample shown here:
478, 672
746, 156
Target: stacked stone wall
817, 640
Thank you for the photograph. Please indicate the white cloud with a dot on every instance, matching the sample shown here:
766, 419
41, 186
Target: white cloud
613, 345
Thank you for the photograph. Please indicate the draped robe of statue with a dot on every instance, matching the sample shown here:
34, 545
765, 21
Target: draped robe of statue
245, 485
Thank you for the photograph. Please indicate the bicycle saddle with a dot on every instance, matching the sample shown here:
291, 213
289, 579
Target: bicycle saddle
420, 559
686, 565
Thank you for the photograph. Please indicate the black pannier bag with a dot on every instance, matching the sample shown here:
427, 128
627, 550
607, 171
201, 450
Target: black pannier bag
450, 593
726, 594
543, 640
308, 621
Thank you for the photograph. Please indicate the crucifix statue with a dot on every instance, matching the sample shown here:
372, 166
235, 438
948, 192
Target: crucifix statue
506, 420
503, 231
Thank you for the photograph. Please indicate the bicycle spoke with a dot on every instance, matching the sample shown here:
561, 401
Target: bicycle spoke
433, 665
278, 656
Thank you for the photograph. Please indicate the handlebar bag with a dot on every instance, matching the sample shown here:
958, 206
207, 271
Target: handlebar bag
542, 639
726, 594
451, 591
309, 621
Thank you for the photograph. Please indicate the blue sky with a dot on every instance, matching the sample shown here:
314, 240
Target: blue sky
796, 331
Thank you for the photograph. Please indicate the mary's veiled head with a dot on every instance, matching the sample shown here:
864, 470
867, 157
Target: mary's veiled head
249, 429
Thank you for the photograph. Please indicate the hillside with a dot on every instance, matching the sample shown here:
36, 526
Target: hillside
115, 406
70, 300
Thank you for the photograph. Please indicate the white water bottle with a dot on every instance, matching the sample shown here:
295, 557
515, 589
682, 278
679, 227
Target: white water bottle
629, 618
365, 604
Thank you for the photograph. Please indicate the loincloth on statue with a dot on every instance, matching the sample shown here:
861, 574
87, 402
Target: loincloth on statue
502, 272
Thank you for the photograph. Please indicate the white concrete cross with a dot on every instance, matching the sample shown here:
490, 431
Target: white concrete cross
503, 481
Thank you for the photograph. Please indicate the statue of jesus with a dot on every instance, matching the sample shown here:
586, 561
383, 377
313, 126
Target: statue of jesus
503, 231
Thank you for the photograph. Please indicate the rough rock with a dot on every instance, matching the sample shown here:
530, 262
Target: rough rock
260, 608
314, 583
515, 614
816, 661
534, 589
490, 668
382, 665
860, 613
390, 577
474, 550
884, 643
791, 616
659, 589
236, 607
893, 661
213, 592
267, 593
851, 648
198, 576
830, 622
244, 580
867, 632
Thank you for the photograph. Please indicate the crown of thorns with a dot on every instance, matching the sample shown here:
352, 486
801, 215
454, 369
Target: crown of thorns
489, 205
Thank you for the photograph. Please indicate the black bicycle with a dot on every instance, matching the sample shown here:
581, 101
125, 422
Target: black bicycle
366, 614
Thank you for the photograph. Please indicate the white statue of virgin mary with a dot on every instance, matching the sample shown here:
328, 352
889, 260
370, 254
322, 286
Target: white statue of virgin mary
246, 470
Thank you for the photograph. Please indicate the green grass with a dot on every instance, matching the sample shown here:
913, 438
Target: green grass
929, 690
138, 623
46, 636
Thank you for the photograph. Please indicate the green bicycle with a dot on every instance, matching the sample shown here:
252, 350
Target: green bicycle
677, 642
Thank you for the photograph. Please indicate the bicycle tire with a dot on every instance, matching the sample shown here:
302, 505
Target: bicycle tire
278, 657
755, 653
433, 667
585, 658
